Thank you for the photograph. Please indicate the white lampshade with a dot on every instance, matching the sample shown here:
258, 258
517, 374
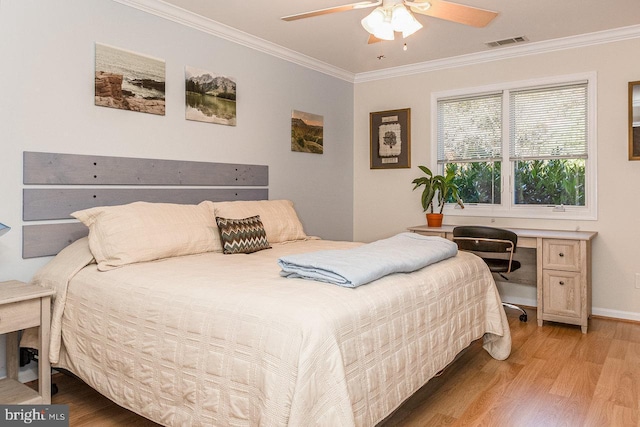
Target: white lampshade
384, 31
411, 28
372, 20
400, 17
382, 23
403, 21
378, 23
4, 228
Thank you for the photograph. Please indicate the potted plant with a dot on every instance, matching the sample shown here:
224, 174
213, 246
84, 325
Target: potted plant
442, 187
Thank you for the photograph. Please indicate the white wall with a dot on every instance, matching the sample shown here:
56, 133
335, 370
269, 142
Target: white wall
384, 203
46, 104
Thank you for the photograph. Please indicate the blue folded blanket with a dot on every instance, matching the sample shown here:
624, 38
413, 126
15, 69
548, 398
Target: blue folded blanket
402, 253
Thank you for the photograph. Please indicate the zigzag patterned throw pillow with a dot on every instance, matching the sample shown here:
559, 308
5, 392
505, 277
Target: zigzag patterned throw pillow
242, 236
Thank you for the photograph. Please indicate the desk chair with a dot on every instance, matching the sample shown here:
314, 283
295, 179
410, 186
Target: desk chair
488, 240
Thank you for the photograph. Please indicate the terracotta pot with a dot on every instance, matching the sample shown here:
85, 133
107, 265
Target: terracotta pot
434, 219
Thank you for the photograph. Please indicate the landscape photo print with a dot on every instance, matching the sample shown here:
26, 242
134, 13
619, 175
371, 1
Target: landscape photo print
209, 97
129, 81
307, 132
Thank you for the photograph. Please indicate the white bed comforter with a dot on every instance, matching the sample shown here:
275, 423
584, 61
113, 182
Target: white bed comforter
223, 340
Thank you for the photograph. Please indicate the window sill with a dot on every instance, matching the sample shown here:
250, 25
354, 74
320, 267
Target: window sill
547, 212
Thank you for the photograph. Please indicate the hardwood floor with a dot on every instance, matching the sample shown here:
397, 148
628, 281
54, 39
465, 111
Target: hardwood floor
555, 376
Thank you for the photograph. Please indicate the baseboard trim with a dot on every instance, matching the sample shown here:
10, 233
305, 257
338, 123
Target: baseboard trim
603, 313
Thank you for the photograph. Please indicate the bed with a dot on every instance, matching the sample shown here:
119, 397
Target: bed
210, 338
180, 312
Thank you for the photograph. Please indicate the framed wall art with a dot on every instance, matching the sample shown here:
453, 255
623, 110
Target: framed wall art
634, 120
390, 134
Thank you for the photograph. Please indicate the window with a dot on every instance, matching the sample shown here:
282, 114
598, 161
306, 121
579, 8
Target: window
470, 144
526, 150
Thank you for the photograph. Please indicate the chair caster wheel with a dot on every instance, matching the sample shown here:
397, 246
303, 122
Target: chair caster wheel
523, 317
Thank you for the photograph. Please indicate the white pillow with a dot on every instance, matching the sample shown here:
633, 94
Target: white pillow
141, 231
280, 220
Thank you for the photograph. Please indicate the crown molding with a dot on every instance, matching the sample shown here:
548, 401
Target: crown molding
200, 23
190, 19
590, 39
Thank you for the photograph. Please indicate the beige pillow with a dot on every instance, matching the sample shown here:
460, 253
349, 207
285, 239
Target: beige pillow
280, 220
141, 231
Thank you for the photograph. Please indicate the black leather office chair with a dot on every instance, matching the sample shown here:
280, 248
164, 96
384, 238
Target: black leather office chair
487, 240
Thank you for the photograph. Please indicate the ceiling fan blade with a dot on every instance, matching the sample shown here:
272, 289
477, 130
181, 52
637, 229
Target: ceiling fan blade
373, 39
459, 13
359, 5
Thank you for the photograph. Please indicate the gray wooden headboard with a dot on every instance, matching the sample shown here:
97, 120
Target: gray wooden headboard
58, 184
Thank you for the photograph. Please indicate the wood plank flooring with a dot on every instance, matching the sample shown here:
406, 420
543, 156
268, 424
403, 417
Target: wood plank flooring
555, 376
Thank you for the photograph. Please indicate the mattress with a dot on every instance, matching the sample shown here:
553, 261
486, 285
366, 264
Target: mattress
224, 340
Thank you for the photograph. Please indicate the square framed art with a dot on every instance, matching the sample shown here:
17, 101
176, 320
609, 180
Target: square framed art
390, 139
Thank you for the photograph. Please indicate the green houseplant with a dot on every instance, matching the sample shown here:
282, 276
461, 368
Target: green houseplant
438, 189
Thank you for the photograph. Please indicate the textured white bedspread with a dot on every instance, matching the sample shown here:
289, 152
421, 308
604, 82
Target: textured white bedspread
223, 340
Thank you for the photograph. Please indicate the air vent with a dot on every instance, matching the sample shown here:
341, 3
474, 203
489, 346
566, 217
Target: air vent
507, 42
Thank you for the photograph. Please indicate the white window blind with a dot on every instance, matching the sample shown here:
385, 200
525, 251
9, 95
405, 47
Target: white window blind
549, 123
469, 129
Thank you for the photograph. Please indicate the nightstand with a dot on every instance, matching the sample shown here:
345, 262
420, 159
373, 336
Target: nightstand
24, 306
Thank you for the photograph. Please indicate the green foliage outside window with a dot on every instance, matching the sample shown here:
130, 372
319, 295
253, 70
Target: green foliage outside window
537, 182
550, 182
478, 182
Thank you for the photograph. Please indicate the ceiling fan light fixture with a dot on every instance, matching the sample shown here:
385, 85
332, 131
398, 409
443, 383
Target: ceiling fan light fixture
384, 32
411, 29
384, 21
421, 6
379, 24
403, 21
373, 20
400, 17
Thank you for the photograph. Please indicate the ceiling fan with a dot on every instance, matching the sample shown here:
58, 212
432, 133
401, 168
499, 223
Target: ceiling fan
391, 16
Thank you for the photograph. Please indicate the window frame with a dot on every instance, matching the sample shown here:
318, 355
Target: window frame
508, 209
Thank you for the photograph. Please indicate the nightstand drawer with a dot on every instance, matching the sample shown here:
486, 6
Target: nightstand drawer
19, 315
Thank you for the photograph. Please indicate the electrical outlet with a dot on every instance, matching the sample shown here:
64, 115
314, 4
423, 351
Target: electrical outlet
637, 280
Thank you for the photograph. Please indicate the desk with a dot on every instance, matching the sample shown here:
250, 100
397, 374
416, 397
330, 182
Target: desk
563, 267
